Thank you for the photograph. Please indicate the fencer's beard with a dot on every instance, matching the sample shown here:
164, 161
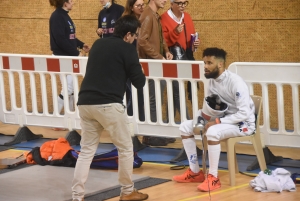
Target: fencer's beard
212, 74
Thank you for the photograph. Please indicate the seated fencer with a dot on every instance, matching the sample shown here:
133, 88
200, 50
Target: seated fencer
228, 111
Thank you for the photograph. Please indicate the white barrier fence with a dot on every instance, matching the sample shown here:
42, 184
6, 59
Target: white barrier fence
36, 78
280, 75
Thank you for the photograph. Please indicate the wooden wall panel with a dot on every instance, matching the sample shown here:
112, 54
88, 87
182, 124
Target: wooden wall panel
86, 31
30, 39
269, 40
212, 10
89, 9
268, 9
25, 9
221, 34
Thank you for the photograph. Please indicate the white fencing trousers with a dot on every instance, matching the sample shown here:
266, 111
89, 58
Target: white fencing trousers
69, 84
214, 133
70, 88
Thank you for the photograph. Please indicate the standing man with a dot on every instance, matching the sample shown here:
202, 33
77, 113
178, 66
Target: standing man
101, 108
151, 45
63, 42
229, 112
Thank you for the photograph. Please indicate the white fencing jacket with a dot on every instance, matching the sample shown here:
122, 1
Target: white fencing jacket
233, 91
278, 181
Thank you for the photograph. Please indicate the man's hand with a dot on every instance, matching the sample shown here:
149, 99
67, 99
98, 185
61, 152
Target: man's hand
86, 48
179, 28
169, 56
196, 43
209, 124
99, 31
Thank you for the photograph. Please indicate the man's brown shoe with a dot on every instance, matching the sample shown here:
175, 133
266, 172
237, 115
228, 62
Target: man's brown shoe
134, 196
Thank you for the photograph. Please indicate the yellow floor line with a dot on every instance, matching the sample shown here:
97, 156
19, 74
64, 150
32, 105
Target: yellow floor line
162, 164
218, 192
14, 150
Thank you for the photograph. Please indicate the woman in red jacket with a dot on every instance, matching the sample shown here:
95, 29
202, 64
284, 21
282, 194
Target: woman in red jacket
177, 27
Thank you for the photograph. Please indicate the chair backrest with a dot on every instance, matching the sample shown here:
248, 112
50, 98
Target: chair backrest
257, 103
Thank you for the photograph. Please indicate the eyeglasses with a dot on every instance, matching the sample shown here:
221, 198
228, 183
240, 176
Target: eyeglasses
139, 6
182, 4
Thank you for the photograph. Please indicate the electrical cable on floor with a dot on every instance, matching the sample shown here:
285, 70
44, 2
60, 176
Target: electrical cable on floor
180, 166
283, 166
248, 174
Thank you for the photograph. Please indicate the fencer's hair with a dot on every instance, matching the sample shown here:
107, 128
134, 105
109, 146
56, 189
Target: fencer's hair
58, 3
214, 51
125, 24
128, 7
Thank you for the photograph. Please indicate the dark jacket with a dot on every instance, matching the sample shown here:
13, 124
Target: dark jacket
111, 62
63, 39
108, 17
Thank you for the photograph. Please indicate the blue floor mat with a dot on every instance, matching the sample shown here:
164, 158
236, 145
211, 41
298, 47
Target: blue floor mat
32, 143
165, 155
102, 148
156, 154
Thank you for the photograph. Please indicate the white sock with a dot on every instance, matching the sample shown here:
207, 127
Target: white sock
214, 156
189, 145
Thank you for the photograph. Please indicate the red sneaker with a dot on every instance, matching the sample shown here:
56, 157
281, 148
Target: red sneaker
189, 176
211, 183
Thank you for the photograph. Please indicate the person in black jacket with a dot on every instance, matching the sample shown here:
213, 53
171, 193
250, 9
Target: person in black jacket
100, 104
63, 42
107, 18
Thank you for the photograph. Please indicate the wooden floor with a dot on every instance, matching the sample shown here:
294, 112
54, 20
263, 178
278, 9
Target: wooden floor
172, 191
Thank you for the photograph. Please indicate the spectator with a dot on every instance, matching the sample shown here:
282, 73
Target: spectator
177, 27
151, 45
63, 42
107, 17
